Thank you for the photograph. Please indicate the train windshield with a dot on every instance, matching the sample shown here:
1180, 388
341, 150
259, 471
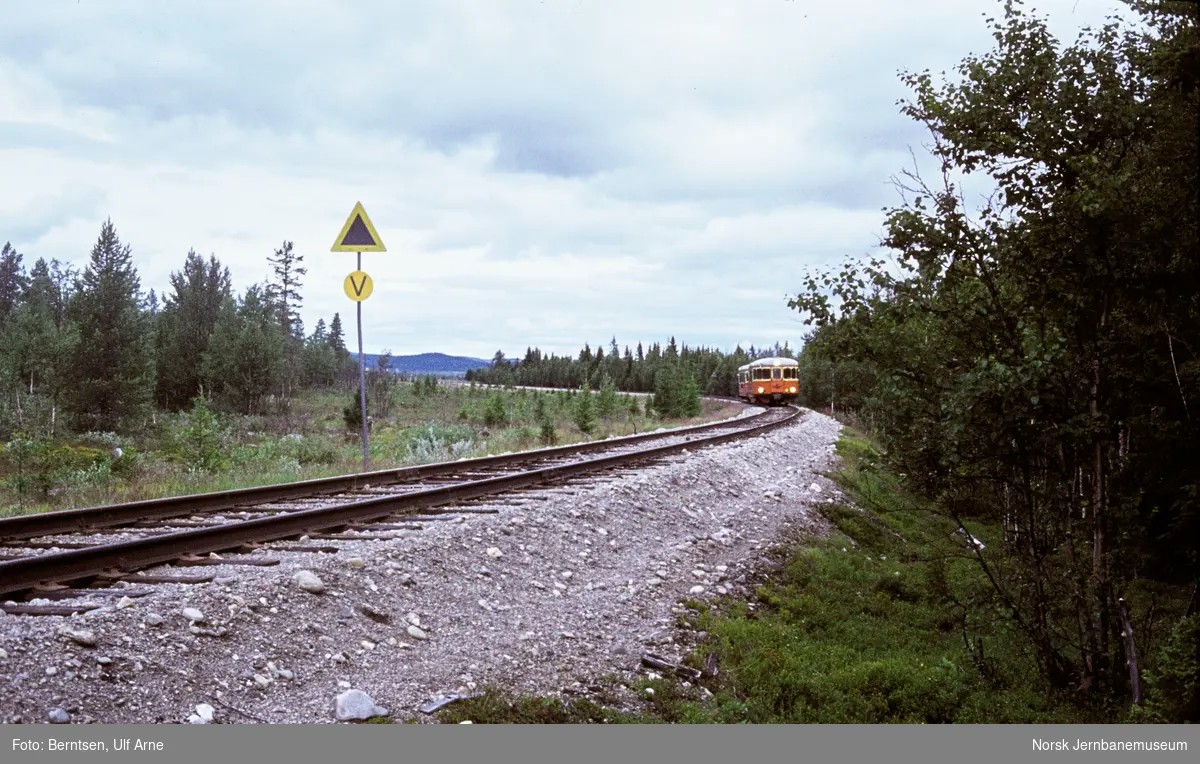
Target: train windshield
777, 373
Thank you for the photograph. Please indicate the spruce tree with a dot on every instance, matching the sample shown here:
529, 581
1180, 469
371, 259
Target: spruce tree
667, 392
284, 294
585, 410
689, 399
284, 290
606, 402
352, 414
494, 411
186, 324
320, 360
337, 339
114, 369
13, 281
542, 416
245, 355
37, 346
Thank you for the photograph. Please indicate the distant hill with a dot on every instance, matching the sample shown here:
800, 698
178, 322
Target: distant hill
429, 363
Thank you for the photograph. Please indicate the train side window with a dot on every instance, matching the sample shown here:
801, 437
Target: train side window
789, 373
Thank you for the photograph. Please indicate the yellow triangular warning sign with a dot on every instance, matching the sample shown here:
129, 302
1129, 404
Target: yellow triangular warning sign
359, 234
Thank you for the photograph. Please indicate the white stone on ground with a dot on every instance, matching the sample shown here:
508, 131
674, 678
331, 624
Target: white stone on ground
310, 582
356, 705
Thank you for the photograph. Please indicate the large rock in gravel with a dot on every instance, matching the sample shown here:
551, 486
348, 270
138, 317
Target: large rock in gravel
309, 582
193, 614
416, 632
59, 716
356, 705
84, 638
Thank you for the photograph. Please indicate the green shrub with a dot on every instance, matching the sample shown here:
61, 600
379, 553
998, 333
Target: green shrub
38, 467
547, 432
434, 442
314, 450
495, 414
584, 415
607, 401
1173, 685
201, 444
33, 464
352, 414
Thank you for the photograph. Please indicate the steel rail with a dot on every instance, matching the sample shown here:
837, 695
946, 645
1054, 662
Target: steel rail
64, 521
75, 565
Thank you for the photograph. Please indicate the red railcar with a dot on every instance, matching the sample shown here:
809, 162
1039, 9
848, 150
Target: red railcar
769, 381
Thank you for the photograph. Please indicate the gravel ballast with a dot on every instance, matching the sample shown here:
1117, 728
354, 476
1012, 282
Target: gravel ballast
556, 590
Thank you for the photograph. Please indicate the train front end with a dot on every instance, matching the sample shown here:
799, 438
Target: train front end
769, 381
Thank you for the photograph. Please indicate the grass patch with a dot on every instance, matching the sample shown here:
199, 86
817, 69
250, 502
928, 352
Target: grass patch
201, 450
496, 706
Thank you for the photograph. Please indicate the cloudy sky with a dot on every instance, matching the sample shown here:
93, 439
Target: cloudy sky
543, 172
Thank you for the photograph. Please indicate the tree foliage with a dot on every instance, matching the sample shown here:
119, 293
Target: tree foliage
186, 323
584, 413
1031, 362
714, 371
245, 355
113, 370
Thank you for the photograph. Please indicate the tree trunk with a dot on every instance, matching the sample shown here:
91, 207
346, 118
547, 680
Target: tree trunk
1130, 653
1100, 581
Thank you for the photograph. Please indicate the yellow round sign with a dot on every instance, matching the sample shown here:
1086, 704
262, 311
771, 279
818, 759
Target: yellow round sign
359, 286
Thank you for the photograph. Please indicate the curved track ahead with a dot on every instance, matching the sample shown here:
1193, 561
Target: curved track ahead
57, 548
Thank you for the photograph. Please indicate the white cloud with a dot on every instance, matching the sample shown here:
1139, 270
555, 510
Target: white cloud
543, 173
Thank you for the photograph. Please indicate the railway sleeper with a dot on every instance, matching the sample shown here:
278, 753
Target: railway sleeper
160, 578
13, 608
67, 593
190, 561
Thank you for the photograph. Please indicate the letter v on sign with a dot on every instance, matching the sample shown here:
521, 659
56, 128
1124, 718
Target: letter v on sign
359, 286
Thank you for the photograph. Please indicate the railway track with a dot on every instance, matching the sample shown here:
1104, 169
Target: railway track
51, 555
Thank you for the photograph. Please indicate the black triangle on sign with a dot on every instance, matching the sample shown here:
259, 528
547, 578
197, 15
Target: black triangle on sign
358, 234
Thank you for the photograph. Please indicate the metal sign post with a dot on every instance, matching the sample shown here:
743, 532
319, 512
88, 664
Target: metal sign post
362, 380
358, 235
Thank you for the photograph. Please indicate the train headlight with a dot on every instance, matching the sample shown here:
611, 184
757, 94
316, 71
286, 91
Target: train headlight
760, 389
791, 389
